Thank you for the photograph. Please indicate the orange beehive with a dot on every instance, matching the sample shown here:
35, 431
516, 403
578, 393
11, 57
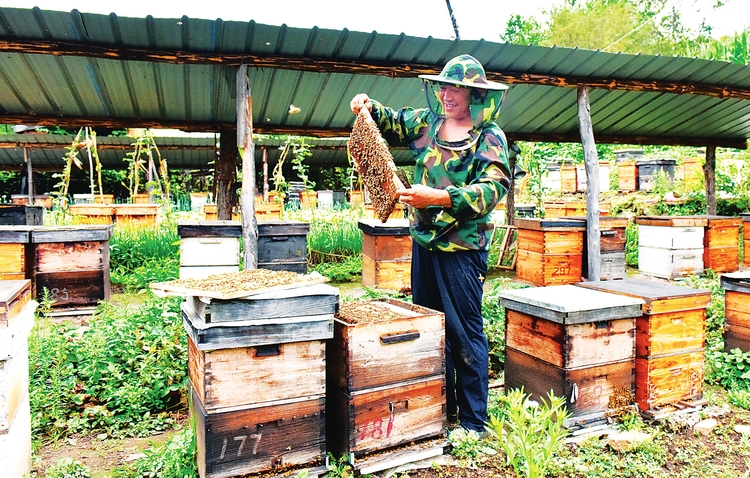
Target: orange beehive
386, 254
737, 310
550, 251
569, 178
721, 243
627, 174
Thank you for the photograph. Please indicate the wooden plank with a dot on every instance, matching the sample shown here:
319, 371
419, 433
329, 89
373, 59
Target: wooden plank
570, 346
384, 417
586, 390
568, 304
722, 236
412, 453
668, 379
296, 302
368, 355
256, 332
670, 332
15, 234
236, 378
259, 439
737, 308
15, 443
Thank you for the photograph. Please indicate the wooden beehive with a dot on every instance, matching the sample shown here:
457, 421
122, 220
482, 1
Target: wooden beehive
21, 215
746, 237
16, 322
137, 215
386, 254
737, 310
14, 242
93, 213
386, 376
611, 247
208, 247
568, 178
72, 262
672, 325
627, 174
668, 379
259, 438
282, 245
721, 239
550, 251
577, 342
554, 209
670, 246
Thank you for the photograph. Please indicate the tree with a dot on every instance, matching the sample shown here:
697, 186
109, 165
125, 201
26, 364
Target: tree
524, 31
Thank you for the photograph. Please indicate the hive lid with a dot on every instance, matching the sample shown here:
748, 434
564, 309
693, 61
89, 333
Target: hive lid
11, 292
15, 234
672, 221
392, 227
283, 228
736, 281
568, 304
558, 224
90, 233
204, 228
656, 295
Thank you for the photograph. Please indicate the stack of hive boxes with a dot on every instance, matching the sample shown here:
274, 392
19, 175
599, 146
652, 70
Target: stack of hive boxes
669, 340
721, 240
576, 342
737, 307
257, 369
550, 251
670, 246
14, 242
16, 322
386, 382
611, 246
746, 237
208, 247
386, 254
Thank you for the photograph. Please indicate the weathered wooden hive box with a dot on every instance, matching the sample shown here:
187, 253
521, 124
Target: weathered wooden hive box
669, 340
746, 237
137, 215
670, 246
647, 171
282, 245
14, 241
21, 215
93, 213
257, 369
386, 376
386, 254
627, 176
576, 342
721, 241
208, 247
72, 262
737, 310
568, 178
611, 246
550, 251
16, 321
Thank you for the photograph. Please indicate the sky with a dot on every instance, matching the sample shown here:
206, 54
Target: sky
413, 17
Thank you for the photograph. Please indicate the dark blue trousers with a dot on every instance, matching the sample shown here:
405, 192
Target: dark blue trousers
452, 282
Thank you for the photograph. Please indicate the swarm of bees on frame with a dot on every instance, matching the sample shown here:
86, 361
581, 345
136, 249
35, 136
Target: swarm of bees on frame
374, 163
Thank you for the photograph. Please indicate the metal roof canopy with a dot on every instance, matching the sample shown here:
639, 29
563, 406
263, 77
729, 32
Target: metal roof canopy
72, 68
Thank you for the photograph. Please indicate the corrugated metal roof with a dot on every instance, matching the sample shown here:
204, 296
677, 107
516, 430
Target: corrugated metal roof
181, 71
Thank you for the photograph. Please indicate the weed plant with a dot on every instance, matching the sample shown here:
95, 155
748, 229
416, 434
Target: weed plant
140, 256
68, 468
121, 375
174, 459
528, 433
334, 235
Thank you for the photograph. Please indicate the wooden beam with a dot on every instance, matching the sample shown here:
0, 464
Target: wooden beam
247, 153
354, 66
591, 160
709, 170
99, 146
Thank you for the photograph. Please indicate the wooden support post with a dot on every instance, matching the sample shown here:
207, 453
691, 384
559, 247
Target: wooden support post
510, 201
592, 189
225, 173
709, 170
247, 152
265, 175
30, 176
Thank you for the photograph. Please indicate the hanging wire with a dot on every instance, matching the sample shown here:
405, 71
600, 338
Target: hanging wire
453, 19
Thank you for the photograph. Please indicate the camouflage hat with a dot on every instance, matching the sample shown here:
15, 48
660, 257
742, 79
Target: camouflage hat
465, 70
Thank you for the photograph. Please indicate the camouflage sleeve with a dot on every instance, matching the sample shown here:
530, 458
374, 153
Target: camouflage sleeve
492, 180
398, 127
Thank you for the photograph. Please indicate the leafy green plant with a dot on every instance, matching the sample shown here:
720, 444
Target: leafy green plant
68, 468
301, 151
631, 244
338, 468
529, 433
468, 447
174, 459
715, 311
741, 398
731, 369
341, 271
139, 256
